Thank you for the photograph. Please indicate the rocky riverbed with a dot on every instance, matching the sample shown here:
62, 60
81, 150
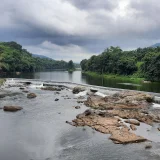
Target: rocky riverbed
122, 116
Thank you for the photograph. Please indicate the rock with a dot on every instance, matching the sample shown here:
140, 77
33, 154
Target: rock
133, 127
12, 108
77, 107
158, 129
108, 125
93, 90
123, 136
31, 95
56, 99
124, 100
25, 91
148, 146
132, 114
135, 122
78, 89
27, 83
51, 88
22, 88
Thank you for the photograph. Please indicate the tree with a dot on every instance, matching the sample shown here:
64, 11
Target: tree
71, 65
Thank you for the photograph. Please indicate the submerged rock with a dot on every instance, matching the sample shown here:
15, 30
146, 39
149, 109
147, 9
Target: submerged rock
78, 89
148, 146
77, 107
12, 108
31, 95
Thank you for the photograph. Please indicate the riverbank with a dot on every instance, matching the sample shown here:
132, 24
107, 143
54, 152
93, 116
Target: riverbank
2, 81
113, 76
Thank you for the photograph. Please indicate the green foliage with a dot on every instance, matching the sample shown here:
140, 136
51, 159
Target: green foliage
14, 58
71, 65
143, 63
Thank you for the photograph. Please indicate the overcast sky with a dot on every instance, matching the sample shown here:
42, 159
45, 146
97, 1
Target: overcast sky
77, 29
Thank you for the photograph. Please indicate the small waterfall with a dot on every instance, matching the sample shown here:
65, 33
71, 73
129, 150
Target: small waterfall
157, 99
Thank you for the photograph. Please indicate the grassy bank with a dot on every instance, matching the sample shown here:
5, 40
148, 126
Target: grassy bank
113, 76
2, 81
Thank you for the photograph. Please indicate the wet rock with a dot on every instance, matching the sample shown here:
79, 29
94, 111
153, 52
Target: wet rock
148, 146
27, 83
124, 100
56, 99
31, 95
12, 108
25, 91
133, 127
93, 90
78, 89
133, 114
51, 88
77, 107
22, 88
123, 136
107, 124
135, 122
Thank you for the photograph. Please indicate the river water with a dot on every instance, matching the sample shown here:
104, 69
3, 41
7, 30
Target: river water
79, 77
39, 131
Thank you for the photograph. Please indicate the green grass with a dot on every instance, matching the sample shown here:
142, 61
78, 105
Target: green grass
2, 81
114, 76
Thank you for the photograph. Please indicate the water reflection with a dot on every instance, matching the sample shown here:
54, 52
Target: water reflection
78, 77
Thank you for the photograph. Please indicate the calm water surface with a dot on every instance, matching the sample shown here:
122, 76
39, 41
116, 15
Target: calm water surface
79, 77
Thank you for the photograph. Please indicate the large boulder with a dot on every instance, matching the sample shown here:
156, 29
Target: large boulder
31, 95
12, 108
78, 89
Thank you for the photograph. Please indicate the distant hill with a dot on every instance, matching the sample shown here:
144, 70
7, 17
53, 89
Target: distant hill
40, 56
14, 58
155, 45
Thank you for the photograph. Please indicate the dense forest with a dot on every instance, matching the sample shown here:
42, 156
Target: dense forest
13, 58
142, 62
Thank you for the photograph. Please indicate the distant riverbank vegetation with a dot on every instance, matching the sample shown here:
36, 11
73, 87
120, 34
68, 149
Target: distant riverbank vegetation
140, 63
13, 58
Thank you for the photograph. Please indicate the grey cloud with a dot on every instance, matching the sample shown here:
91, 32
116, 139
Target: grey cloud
93, 4
91, 25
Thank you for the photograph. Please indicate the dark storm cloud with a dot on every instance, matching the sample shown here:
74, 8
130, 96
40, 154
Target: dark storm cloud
76, 29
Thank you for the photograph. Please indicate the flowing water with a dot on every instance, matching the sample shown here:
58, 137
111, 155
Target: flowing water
79, 77
39, 132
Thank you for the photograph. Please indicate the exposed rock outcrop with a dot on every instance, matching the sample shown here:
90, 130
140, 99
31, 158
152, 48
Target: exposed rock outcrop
107, 124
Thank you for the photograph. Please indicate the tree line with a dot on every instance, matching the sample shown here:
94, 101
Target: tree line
142, 62
13, 58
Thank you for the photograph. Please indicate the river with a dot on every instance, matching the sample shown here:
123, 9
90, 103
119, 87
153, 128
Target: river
39, 131
78, 77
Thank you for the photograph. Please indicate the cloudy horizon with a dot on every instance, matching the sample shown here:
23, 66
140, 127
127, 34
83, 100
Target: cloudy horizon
78, 29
